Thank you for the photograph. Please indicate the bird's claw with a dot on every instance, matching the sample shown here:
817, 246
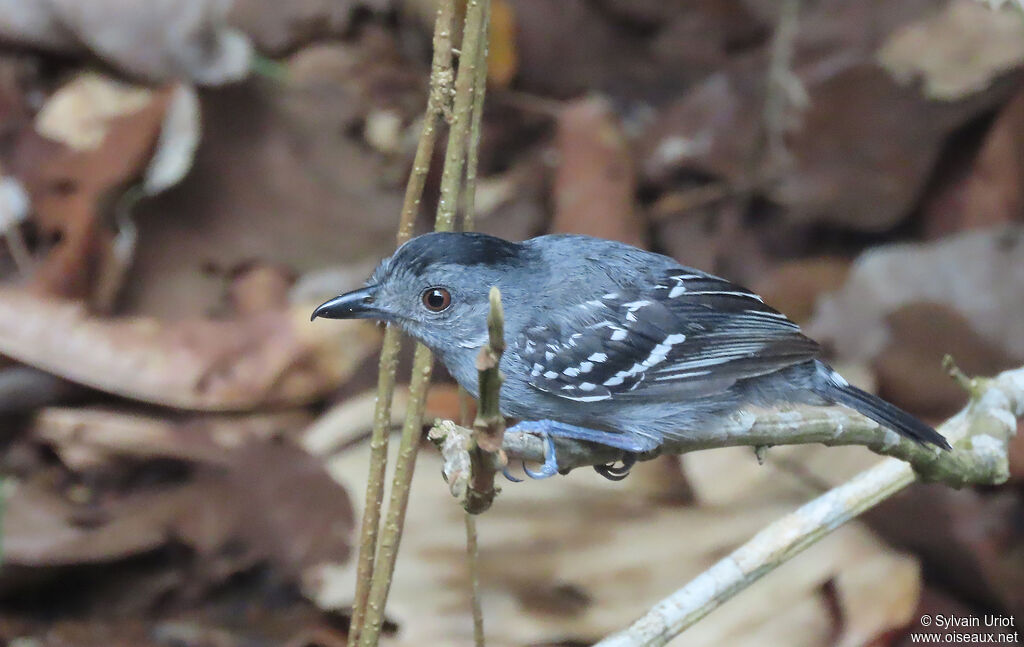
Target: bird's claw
613, 473
508, 475
547, 470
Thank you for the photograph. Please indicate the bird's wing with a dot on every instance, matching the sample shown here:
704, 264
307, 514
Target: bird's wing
688, 335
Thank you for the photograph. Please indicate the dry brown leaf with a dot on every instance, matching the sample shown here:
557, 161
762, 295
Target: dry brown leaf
503, 55
71, 184
87, 439
595, 182
979, 275
278, 28
249, 496
80, 112
989, 189
271, 359
972, 540
793, 287
862, 149
283, 181
956, 52
909, 368
160, 40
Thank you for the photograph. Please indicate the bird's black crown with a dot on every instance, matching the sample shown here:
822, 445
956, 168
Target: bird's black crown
462, 248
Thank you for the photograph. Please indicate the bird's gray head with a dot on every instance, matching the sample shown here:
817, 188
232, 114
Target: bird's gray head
436, 288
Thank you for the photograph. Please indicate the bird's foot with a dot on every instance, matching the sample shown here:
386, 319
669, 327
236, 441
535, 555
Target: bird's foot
632, 444
613, 473
548, 469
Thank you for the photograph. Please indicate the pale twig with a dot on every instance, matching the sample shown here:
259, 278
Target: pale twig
473, 557
981, 431
473, 35
391, 537
476, 119
440, 80
387, 551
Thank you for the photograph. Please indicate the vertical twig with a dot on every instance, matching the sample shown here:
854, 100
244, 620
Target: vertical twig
473, 558
391, 537
387, 552
479, 91
473, 35
440, 88
375, 481
489, 426
468, 224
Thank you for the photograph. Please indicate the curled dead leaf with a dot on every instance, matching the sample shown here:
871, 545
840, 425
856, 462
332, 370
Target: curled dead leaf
595, 183
269, 359
159, 40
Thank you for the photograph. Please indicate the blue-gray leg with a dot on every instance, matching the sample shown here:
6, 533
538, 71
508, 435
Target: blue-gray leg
548, 429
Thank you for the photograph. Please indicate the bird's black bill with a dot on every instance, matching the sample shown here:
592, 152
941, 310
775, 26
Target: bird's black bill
357, 304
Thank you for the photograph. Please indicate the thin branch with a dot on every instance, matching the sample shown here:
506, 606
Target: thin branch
440, 86
387, 551
370, 529
468, 224
473, 35
476, 119
489, 426
473, 557
982, 429
833, 426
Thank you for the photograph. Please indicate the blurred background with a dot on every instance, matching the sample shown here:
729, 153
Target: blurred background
181, 181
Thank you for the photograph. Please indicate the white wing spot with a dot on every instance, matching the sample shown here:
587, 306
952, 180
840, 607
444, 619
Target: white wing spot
572, 371
586, 367
676, 291
598, 357
550, 375
587, 386
745, 295
633, 306
679, 376
588, 398
614, 381
548, 355
619, 334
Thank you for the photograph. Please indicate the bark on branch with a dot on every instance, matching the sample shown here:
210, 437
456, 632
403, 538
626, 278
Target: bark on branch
979, 434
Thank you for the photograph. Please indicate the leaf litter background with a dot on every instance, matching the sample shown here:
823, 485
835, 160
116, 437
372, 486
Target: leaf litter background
180, 182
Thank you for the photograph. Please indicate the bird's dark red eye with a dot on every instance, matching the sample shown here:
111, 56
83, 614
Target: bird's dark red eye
436, 299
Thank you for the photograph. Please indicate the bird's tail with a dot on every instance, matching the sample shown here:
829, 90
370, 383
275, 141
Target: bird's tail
831, 386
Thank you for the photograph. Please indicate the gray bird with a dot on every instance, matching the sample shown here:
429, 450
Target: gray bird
606, 343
